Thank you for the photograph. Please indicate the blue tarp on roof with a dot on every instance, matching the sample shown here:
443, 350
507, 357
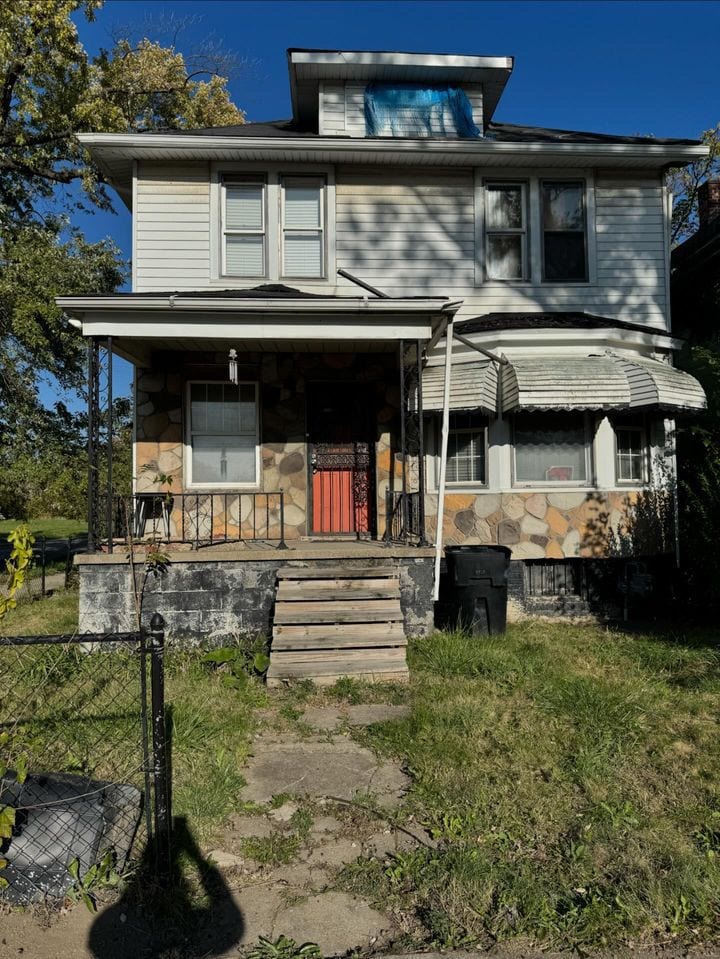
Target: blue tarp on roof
415, 110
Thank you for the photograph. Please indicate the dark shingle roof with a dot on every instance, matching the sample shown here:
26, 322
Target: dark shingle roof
501, 132
497, 322
266, 291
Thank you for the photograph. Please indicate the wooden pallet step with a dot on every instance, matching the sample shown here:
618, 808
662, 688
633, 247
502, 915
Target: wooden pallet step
320, 631
326, 644
292, 594
335, 572
371, 611
389, 654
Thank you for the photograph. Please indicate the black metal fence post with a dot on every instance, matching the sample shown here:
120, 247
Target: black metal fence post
282, 544
42, 566
160, 770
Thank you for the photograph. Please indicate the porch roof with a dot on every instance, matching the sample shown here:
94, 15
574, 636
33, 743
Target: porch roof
269, 317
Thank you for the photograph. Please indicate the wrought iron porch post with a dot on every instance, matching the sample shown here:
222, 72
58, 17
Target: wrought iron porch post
93, 444
109, 495
421, 446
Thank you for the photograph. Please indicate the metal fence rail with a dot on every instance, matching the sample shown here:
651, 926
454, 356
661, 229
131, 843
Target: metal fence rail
201, 519
403, 518
83, 772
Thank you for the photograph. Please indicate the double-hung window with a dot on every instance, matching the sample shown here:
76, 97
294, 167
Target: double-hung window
506, 248
244, 227
552, 448
467, 449
303, 232
223, 434
631, 454
564, 243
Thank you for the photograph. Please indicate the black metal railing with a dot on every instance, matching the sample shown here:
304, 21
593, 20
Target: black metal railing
201, 519
403, 513
84, 758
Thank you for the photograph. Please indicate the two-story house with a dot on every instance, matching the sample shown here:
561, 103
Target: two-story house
384, 326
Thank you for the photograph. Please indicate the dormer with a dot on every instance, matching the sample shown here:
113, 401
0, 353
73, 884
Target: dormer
398, 95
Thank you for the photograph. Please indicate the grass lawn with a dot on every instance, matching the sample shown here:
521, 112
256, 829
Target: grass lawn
570, 775
71, 693
572, 778
52, 528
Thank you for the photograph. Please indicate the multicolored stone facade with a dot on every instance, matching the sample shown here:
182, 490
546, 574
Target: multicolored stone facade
558, 525
535, 525
283, 379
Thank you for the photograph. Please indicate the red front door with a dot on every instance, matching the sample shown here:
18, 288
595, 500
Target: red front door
341, 460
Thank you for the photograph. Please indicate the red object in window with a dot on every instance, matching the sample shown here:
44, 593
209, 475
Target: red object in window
559, 474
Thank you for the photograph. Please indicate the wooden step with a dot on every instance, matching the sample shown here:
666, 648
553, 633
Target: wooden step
378, 631
335, 572
336, 592
368, 611
331, 641
348, 657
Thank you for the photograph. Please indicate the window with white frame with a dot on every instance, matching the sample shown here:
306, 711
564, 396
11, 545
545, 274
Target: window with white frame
303, 232
222, 434
506, 247
467, 449
552, 448
631, 453
244, 227
564, 244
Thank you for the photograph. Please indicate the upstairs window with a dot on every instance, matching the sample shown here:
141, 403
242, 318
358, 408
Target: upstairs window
564, 230
506, 231
244, 231
467, 449
303, 233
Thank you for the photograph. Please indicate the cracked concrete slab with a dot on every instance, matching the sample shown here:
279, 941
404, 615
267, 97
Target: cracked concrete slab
331, 718
338, 769
338, 923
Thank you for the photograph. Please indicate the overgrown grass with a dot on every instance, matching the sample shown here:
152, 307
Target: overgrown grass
43, 617
572, 777
55, 527
211, 722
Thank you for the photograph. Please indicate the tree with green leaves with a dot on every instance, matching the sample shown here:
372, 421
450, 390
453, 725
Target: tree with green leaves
51, 89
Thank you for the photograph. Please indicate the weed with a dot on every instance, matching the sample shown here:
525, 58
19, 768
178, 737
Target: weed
284, 948
277, 849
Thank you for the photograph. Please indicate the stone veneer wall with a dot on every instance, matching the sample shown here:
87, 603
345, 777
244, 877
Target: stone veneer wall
283, 379
547, 525
213, 601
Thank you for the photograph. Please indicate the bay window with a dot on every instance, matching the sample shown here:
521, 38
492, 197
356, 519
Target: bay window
552, 448
631, 454
222, 434
467, 449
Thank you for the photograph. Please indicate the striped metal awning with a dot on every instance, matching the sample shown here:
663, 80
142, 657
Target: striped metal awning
606, 381
473, 386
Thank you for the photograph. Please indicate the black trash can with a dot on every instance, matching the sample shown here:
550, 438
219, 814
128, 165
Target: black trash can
476, 588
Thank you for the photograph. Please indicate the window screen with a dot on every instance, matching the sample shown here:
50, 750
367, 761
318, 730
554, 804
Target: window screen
302, 226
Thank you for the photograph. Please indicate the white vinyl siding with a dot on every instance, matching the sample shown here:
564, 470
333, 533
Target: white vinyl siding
172, 226
413, 232
302, 224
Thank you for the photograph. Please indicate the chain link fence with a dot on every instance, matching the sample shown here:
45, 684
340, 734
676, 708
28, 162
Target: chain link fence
83, 779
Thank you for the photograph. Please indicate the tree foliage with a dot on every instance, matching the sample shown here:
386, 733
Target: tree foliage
684, 184
51, 90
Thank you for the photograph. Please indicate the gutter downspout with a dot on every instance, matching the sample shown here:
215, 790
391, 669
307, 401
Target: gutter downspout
443, 456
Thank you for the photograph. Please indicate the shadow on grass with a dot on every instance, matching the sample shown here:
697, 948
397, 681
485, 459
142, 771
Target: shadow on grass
191, 913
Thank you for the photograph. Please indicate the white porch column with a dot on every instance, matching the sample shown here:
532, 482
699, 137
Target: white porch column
443, 455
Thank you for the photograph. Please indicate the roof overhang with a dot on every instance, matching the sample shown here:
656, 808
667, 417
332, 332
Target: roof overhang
549, 340
114, 153
138, 324
308, 68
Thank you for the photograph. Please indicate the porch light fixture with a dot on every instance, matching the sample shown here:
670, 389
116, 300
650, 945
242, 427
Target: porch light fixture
233, 367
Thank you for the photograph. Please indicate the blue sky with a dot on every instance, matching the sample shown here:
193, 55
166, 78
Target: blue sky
633, 68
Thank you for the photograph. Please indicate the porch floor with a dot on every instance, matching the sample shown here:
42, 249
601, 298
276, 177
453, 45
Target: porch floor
254, 551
